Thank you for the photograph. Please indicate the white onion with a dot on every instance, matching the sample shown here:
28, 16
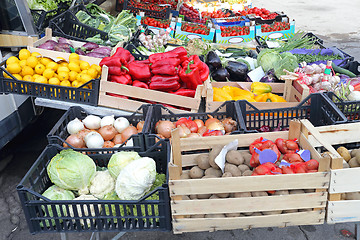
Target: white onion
107, 120
121, 124
75, 126
92, 122
94, 140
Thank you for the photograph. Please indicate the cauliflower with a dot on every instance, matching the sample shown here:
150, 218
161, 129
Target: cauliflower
102, 184
84, 209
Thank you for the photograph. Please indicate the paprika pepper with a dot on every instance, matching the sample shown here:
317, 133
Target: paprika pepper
191, 77
123, 54
185, 92
196, 62
269, 97
259, 88
219, 95
167, 61
165, 70
178, 52
164, 83
139, 71
118, 70
137, 83
204, 72
123, 79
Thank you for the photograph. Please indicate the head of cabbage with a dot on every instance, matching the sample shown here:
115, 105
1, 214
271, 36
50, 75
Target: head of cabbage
119, 160
72, 170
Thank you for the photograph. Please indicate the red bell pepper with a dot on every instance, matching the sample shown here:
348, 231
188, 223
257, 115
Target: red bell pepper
191, 77
139, 71
118, 70
112, 62
287, 146
165, 70
123, 79
292, 157
204, 73
137, 83
185, 92
145, 61
123, 54
178, 52
164, 83
196, 62
167, 61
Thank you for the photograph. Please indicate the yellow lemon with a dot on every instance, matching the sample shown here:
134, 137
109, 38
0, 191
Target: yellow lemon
48, 73
84, 72
72, 76
5, 75
65, 83
63, 63
75, 61
54, 81
97, 67
63, 69
36, 76
28, 78
39, 69
74, 67
24, 54
52, 65
63, 76
84, 65
44, 61
73, 56
78, 77
27, 71
32, 61
14, 68
85, 78
11, 60
92, 72
75, 83
17, 76
22, 63
35, 54
41, 79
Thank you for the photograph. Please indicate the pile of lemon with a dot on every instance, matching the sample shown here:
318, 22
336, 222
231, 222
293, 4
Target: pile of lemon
35, 68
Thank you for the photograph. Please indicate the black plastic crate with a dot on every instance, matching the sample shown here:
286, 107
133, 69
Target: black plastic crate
42, 18
159, 112
68, 26
317, 108
59, 133
351, 109
127, 215
163, 14
135, 52
81, 94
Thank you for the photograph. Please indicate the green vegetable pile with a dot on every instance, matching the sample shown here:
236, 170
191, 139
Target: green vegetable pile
316, 57
47, 5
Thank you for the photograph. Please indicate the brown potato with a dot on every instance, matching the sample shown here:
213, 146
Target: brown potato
243, 168
219, 215
213, 154
223, 195
344, 153
203, 161
196, 172
232, 214
259, 194
354, 152
213, 172
185, 175
256, 214
197, 216
346, 165
233, 169
352, 196
193, 196
281, 192
234, 157
247, 173
298, 191
209, 176
247, 156
353, 162
241, 195
214, 197
227, 174
203, 196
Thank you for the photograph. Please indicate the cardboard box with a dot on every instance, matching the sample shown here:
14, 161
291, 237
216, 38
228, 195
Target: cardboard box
180, 34
276, 34
234, 39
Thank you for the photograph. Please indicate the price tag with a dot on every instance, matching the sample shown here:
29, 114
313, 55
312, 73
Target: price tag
272, 44
220, 159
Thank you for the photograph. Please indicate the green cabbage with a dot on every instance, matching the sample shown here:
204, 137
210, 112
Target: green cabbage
288, 62
119, 160
56, 193
72, 170
267, 59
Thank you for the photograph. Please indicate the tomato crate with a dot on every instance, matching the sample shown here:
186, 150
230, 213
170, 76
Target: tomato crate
268, 32
68, 26
166, 23
316, 108
59, 133
292, 91
181, 31
258, 20
343, 205
351, 109
159, 112
231, 21
128, 98
304, 203
220, 38
109, 215
164, 13
87, 93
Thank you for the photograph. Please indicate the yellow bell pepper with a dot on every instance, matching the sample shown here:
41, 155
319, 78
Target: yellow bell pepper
269, 97
259, 88
219, 95
249, 99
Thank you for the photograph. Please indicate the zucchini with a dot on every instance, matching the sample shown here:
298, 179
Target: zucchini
341, 70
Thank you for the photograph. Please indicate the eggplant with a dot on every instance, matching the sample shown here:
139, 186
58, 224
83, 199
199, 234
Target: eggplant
49, 45
79, 51
89, 46
237, 70
103, 50
269, 77
63, 40
220, 75
95, 54
212, 59
62, 47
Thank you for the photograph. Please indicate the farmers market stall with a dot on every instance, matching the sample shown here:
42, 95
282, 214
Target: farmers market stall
142, 86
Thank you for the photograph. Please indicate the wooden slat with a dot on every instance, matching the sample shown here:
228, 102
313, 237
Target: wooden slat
249, 204
250, 183
305, 144
176, 151
9, 40
294, 129
215, 224
189, 160
345, 180
343, 211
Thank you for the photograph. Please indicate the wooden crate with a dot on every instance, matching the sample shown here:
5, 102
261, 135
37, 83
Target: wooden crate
183, 157
10, 40
342, 180
142, 95
292, 91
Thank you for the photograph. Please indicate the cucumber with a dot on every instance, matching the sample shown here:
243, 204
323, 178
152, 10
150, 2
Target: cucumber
341, 70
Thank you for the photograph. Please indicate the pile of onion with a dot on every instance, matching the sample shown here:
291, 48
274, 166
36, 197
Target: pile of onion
96, 132
189, 128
